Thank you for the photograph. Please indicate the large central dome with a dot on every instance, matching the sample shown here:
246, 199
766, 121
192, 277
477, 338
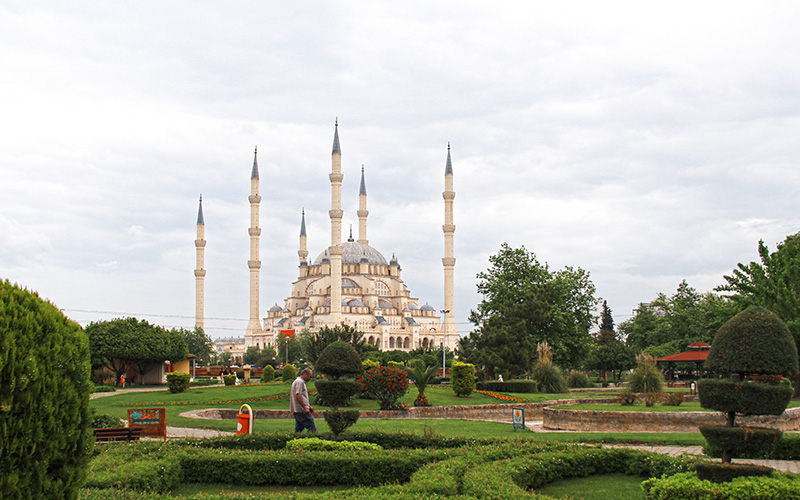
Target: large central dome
353, 252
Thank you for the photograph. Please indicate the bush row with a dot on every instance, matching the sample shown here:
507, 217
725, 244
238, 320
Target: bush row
387, 441
787, 448
780, 486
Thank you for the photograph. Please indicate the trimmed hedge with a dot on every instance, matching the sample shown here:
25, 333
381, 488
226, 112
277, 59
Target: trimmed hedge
741, 441
269, 374
288, 373
722, 472
788, 448
336, 393
178, 381
745, 398
778, 487
338, 421
339, 359
317, 444
462, 378
45, 439
521, 386
753, 341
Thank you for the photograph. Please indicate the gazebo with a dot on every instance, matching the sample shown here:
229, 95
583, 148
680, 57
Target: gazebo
697, 354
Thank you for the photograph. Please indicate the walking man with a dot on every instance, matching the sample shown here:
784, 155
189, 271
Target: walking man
299, 405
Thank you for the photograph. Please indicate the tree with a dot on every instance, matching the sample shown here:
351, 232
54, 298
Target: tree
755, 351
422, 375
45, 439
773, 284
198, 343
668, 324
525, 303
314, 343
289, 348
120, 344
606, 321
251, 355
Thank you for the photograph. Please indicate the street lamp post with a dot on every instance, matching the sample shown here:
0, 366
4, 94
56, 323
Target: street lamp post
444, 344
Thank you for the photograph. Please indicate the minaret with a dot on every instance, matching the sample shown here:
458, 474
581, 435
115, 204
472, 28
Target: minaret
199, 272
303, 252
336, 230
254, 325
449, 262
362, 210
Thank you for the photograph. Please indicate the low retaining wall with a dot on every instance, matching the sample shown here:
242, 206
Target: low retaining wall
500, 412
645, 421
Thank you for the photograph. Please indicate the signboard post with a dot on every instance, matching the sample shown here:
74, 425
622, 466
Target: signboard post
153, 421
518, 418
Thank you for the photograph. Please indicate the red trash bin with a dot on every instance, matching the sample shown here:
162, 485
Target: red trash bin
244, 424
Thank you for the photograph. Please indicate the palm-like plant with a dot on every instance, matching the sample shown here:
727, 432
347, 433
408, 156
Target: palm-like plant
421, 375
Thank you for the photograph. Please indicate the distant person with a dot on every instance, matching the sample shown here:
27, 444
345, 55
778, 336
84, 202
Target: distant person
299, 405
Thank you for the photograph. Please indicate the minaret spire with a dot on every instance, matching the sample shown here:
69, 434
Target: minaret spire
303, 251
362, 210
254, 264
336, 229
449, 329
199, 271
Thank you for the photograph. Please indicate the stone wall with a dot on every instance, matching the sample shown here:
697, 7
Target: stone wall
644, 421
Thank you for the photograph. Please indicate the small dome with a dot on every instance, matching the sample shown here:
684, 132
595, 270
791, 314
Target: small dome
275, 308
427, 307
356, 303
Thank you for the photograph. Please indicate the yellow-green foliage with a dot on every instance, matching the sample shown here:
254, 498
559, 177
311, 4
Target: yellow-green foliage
45, 438
462, 378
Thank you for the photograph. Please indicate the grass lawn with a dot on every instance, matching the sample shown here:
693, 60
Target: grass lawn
603, 487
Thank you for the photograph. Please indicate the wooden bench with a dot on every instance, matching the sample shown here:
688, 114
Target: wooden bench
117, 434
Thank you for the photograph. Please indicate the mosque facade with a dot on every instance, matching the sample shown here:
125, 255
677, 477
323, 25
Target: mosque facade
349, 282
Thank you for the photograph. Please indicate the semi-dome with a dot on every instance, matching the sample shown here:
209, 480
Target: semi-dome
356, 303
353, 252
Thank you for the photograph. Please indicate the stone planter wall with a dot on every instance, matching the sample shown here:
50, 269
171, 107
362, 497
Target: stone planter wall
643, 421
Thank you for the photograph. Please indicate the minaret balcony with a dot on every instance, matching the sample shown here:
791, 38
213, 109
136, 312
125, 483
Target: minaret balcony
254, 264
254, 198
336, 214
254, 231
449, 195
449, 261
200, 273
449, 228
199, 243
336, 177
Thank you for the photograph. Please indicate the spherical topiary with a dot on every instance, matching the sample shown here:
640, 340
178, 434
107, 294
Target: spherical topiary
45, 439
339, 359
753, 341
288, 374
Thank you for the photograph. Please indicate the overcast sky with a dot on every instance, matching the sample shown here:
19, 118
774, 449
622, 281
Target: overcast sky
646, 144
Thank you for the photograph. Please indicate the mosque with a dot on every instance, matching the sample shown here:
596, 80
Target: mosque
349, 282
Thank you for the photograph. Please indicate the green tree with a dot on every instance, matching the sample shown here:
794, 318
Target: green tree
314, 343
45, 439
198, 343
525, 303
609, 353
289, 349
252, 355
668, 324
606, 320
773, 284
119, 344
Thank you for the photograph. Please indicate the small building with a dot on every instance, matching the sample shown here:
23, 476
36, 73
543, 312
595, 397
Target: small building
697, 354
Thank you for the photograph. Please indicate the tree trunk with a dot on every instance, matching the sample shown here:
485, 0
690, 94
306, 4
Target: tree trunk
727, 454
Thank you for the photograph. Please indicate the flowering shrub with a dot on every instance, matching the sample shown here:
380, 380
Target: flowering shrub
765, 378
386, 384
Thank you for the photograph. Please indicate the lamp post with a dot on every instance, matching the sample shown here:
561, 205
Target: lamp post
444, 344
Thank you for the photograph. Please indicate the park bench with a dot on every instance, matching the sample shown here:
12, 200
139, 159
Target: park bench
117, 434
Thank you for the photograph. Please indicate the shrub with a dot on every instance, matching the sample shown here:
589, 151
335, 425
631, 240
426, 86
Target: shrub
548, 376
687, 485
578, 379
336, 393
104, 421
628, 397
673, 399
104, 388
717, 472
646, 377
339, 359
462, 378
338, 421
520, 386
399, 365
421, 375
178, 381
45, 439
317, 444
744, 398
651, 398
369, 363
385, 384
753, 341
269, 374
240, 374
741, 441
230, 380
288, 373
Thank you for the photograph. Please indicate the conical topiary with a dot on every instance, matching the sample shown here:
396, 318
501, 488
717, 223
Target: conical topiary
337, 360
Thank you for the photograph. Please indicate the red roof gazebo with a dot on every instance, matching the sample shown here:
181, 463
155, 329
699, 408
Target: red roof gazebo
697, 354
